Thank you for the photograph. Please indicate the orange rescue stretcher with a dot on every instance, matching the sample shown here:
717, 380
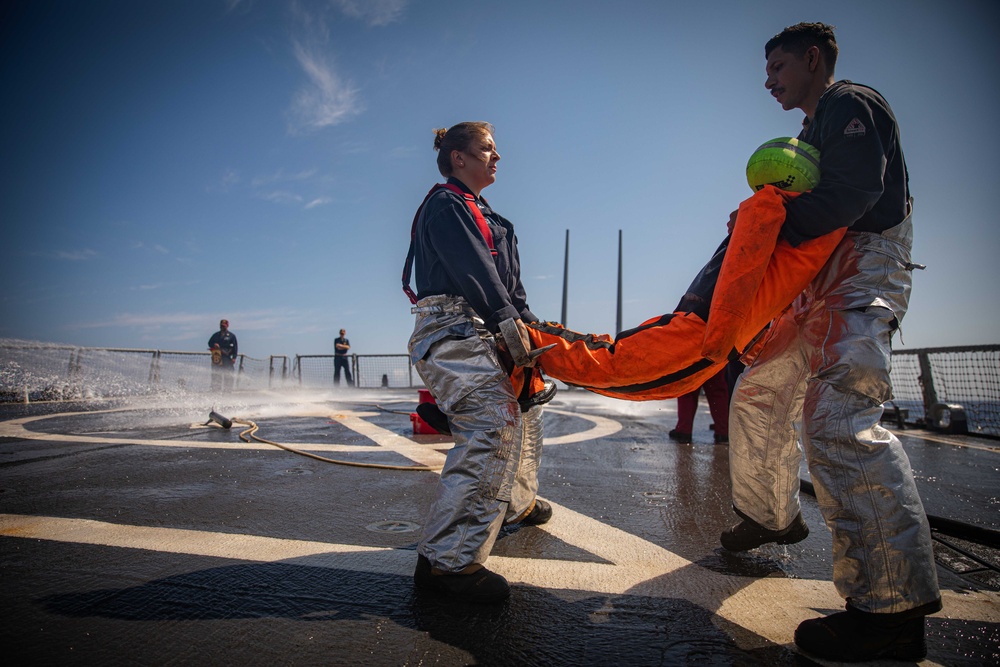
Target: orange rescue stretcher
672, 354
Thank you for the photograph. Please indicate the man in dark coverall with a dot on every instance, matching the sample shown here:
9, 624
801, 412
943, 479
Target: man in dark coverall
340, 359
224, 351
826, 363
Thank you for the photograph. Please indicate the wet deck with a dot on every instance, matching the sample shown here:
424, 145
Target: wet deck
130, 533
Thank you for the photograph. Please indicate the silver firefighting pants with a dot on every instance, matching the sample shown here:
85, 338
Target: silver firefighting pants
490, 474
826, 362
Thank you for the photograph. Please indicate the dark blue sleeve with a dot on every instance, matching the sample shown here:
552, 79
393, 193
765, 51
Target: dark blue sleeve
852, 166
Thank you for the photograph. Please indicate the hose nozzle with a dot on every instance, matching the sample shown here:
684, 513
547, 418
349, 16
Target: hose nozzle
224, 422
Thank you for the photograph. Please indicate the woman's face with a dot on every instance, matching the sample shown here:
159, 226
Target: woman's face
476, 166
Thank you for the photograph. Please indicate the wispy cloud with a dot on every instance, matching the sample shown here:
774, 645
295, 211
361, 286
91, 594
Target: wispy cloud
373, 12
237, 6
282, 187
354, 147
82, 254
319, 201
162, 285
281, 176
326, 99
229, 179
156, 247
164, 327
403, 152
280, 197
148, 320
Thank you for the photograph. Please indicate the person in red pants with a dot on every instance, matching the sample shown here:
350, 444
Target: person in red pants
717, 392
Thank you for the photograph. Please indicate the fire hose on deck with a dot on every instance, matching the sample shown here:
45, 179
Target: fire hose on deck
250, 434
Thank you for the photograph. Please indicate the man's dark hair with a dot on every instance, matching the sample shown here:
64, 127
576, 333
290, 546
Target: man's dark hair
797, 39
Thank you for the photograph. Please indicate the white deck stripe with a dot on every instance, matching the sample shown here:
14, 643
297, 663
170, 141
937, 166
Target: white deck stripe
422, 454
419, 452
771, 608
902, 435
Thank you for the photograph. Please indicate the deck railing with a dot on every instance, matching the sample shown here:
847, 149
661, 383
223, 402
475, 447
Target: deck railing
954, 389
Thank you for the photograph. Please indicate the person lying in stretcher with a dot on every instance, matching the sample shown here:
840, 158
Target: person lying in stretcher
751, 278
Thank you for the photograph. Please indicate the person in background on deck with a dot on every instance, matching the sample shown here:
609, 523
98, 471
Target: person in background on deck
716, 390
224, 349
340, 359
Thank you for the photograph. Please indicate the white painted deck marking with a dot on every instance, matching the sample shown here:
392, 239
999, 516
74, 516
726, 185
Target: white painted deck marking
902, 435
770, 608
602, 427
418, 452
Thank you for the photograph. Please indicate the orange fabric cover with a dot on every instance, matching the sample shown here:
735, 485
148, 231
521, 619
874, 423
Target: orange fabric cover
672, 354
761, 274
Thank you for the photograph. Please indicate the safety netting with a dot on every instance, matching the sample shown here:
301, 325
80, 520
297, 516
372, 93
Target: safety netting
967, 378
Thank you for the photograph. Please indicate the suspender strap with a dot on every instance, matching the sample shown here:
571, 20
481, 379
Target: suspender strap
470, 200
408, 265
477, 215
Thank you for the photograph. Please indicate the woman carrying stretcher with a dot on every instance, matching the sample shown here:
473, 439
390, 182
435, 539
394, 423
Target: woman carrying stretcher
470, 304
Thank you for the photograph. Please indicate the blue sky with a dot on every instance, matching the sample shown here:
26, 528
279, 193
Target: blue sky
166, 164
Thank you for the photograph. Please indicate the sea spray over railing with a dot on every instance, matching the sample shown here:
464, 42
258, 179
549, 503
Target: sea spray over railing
968, 377
32, 371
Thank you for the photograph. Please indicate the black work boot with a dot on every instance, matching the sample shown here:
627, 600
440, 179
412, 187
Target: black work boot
479, 586
858, 636
539, 513
546, 394
748, 534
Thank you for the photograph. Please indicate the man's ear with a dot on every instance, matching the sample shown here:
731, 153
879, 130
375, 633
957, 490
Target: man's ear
812, 58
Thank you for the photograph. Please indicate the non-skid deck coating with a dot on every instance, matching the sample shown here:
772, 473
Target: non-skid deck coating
132, 534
